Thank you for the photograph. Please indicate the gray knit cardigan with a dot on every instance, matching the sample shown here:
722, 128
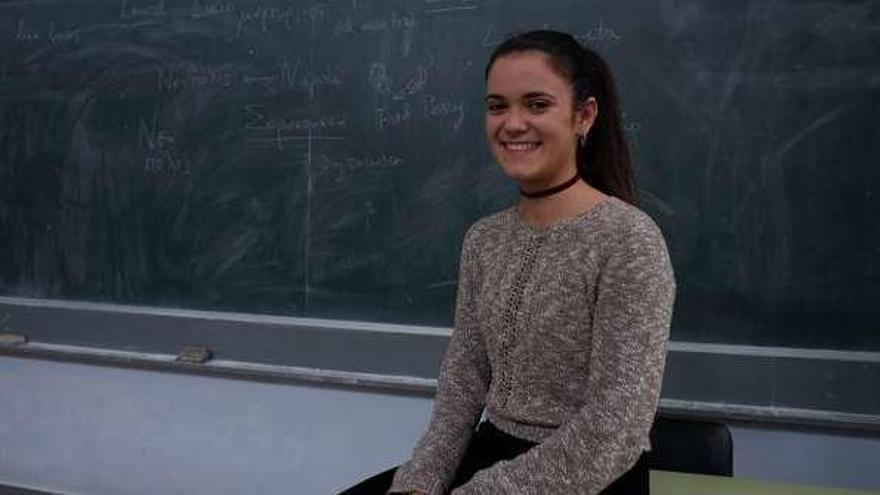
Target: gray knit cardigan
561, 335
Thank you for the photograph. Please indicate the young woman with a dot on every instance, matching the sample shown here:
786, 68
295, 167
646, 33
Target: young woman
564, 301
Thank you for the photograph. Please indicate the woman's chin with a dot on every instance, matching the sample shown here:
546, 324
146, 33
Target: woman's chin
519, 177
518, 171
526, 177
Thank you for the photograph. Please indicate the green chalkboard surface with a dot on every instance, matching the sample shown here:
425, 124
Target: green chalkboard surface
324, 158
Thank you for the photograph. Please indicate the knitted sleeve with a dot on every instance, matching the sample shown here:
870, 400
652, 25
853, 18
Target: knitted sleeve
630, 330
461, 392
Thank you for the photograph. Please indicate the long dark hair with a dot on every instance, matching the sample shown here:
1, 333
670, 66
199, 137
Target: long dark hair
603, 161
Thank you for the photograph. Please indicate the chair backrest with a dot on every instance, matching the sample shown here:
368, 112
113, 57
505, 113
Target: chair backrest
691, 446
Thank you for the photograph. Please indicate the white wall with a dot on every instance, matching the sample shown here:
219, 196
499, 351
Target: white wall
84, 429
807, 457
76, 428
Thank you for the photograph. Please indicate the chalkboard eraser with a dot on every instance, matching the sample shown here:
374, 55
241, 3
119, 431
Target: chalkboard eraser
12, 339
194, 355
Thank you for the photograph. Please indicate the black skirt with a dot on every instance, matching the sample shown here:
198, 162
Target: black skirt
490, 445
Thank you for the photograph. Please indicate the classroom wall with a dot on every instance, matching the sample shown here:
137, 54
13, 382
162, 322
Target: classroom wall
75, 428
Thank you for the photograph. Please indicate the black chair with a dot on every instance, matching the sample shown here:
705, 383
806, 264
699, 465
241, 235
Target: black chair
691, 446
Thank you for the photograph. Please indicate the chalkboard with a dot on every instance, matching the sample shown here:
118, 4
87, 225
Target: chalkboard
324, 158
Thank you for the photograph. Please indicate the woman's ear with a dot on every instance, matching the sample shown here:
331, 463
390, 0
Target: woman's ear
586, 115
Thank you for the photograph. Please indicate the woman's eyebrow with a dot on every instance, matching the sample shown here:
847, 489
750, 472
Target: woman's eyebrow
529, 95
538, 94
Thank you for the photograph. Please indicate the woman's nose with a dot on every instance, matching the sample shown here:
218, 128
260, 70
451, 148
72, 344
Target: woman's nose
515, 122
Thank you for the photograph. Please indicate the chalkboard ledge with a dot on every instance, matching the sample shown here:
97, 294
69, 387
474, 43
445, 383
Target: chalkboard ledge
809, 387
415, 385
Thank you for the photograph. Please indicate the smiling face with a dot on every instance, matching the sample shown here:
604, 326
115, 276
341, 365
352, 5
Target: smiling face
532, 126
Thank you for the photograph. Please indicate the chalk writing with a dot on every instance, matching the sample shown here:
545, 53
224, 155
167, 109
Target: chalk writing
388, 118
433, 106
343, 26
379, 162
52, 34
159, 146
490, 37
166, 163
193, 76
376, 263
379, 78
395, 21
258, 119
452, 282
314, 13
286, 18
371, 214
346, 168
446, 6
129, 9
384, 85
295, 76
280, 127
265, 17
206, 9
24, 34
153, 138
599, 34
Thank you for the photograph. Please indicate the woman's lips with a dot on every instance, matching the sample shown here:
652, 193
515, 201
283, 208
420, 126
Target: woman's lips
520, 146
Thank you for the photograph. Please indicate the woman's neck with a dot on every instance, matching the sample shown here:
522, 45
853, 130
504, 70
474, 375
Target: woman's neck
544, 212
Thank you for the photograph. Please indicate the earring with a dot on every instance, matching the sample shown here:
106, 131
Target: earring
582, 139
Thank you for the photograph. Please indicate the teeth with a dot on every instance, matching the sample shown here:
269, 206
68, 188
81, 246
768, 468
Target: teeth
520, 146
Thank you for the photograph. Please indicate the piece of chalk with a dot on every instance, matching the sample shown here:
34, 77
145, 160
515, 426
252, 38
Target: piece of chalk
194, 354
12, 339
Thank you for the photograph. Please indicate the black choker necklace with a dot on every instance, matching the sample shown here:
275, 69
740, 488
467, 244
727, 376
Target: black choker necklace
553, 190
